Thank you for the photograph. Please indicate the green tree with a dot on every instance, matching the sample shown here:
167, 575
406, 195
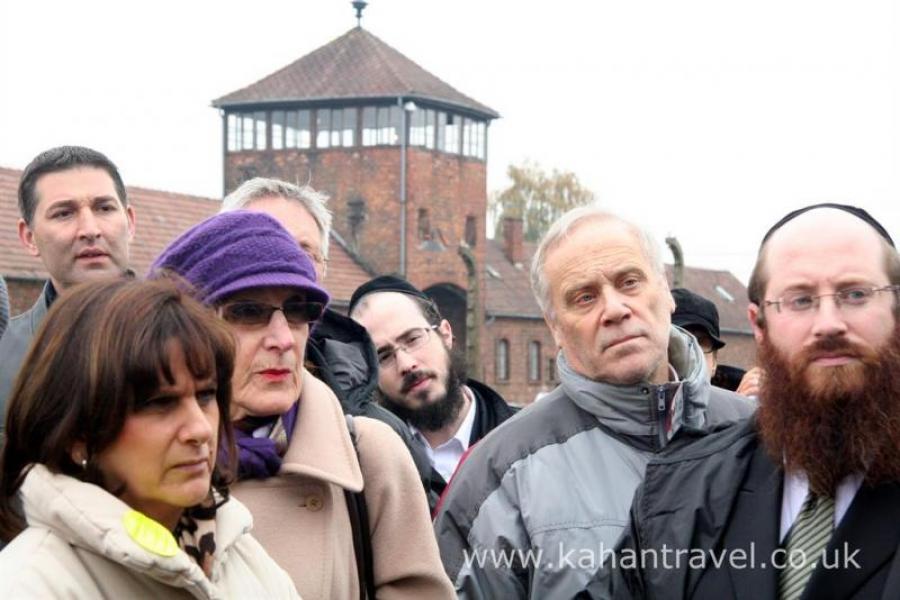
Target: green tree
537, 198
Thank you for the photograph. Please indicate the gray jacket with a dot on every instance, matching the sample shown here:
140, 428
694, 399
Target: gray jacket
15, 343
542, 500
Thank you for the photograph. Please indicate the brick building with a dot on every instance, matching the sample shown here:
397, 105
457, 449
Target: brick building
402, 155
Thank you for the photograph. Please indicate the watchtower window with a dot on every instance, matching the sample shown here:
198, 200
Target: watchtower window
297, 132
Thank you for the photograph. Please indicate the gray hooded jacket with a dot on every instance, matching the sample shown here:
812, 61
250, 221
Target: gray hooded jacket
542, 500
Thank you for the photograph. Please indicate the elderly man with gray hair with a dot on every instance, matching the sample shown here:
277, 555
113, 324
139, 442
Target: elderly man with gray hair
541, 502
339, 349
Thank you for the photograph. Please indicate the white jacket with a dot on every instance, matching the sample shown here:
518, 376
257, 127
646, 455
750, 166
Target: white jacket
76, 546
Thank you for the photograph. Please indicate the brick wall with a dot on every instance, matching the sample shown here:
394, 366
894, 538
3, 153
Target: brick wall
739, 351
22, 294
518, 389
448, 187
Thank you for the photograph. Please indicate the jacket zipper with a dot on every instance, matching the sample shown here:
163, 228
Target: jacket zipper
661, 414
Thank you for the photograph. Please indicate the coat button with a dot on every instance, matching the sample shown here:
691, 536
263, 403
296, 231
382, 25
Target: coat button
314, 503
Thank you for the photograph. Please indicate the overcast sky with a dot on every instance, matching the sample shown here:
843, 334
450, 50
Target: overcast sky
706, 119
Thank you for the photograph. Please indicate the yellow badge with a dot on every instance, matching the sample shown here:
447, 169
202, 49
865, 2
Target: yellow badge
149, 534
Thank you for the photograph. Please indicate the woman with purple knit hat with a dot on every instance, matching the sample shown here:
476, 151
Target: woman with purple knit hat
346, 518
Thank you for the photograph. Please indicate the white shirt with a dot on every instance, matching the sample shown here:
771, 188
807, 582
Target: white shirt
445, 457
796, 488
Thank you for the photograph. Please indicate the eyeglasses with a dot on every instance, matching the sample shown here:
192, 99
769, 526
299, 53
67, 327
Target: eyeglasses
255, 314
412, 340
855, 297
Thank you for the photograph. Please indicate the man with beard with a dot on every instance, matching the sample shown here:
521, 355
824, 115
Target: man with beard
420, 379
806, 496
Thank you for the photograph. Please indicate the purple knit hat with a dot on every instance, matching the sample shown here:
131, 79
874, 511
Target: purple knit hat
236, 251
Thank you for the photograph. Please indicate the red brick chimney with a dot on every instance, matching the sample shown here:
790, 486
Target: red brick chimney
512, 240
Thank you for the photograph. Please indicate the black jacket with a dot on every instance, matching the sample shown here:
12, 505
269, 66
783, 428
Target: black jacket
723, 492
340, 353
492, 410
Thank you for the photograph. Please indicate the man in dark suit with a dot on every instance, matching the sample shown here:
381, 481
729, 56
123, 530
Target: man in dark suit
802, 501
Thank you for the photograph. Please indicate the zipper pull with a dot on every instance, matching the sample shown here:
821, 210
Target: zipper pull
661, 398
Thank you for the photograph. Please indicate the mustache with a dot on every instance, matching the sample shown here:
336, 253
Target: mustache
832, 345
414, 377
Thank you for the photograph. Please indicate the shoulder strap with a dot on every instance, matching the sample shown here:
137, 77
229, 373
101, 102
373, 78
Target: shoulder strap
359, 525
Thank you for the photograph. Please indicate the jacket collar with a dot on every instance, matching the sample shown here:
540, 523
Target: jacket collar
646, 413
87, 516
320, 446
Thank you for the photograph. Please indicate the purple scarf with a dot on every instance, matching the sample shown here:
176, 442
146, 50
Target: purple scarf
259, 458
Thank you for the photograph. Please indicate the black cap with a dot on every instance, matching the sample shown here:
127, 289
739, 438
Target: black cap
692, 310
386, 283
853, 210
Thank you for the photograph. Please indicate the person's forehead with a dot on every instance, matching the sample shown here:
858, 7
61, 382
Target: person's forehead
822, 244
388, 315
74, 183
596, 246
292, 215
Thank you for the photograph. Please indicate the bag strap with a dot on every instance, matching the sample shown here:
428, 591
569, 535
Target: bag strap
359, 526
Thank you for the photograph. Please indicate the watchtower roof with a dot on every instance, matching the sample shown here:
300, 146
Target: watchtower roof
357, 65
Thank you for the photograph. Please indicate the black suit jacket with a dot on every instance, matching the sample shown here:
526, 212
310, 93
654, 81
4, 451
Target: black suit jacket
724, 493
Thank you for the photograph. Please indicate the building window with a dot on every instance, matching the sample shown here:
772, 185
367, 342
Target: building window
452, 134
501, 360
259, 119
277, 129
348, 130
534, 361
471, 233
297, 132
473, 138
417, 128
441, 129
233, 133
429, 128
381, 125
369, 132
552, 375
323, 128
424, 227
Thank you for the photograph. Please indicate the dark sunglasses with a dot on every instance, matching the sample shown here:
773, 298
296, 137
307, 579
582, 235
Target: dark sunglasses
248, 312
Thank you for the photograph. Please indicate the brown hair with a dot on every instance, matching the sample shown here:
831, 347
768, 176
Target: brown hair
100, 354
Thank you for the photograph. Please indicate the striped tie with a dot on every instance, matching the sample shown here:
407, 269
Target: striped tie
807, 538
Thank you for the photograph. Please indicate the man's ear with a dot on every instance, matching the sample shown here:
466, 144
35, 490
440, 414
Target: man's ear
26, 236
554, 330
129, 214
446, 332
754, 314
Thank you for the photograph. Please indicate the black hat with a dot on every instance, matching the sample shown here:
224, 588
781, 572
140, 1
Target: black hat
386, 283
692, 310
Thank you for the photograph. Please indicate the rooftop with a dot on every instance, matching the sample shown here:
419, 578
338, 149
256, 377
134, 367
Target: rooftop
357, 65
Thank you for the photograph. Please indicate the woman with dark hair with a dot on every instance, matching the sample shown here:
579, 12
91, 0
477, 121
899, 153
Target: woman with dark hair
110, 484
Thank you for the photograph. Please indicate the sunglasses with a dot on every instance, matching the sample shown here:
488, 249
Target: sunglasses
248, 312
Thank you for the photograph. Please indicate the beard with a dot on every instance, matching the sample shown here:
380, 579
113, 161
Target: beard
434, 415
831, 422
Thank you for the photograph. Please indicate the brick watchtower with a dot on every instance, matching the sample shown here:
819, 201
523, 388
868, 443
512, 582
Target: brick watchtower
400, 152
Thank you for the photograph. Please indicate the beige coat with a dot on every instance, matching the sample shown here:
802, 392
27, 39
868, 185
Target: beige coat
301, 515
76, 546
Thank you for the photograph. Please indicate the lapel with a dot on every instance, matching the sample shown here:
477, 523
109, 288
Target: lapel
320, 446
754, 524
871, 525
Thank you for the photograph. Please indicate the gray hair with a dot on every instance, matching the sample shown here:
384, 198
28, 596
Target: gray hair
562, 228
262, 187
